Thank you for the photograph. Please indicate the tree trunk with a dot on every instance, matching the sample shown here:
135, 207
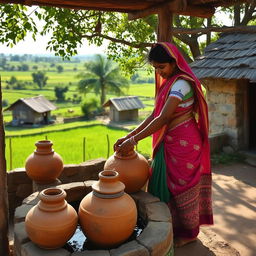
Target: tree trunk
194, 46
237, 13
103, 94
208, 35
4, 242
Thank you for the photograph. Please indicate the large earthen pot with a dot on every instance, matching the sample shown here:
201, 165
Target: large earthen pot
52, 222
44, 165
107, 215
133, 169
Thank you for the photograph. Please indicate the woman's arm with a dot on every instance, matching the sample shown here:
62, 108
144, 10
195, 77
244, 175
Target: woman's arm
154, 125
135, 131
142, 125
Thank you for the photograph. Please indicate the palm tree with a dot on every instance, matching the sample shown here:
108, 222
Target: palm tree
102, 76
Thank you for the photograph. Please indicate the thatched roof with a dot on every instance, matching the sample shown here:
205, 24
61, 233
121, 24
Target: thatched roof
233, 56
125, 103
39, 104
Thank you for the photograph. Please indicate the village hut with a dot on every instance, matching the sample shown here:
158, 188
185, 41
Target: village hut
228, 71
35, 110
124, 108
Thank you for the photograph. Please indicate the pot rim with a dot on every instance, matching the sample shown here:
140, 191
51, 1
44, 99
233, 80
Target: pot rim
52, 194
108, 183
132, 154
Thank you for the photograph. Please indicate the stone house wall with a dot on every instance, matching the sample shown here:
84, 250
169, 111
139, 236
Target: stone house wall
20, 185
227, 109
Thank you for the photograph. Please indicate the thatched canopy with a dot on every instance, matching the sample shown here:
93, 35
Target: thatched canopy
233, 56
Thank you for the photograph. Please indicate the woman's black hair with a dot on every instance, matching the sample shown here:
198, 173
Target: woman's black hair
158, 53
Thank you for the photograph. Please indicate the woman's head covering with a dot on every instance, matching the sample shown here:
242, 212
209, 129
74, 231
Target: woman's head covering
201, 109
183, 66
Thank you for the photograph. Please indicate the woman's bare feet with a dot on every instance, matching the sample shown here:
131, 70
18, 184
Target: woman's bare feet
183, 241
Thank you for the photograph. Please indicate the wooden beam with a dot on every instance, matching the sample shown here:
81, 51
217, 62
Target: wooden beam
172, 5
175, 7
164, 33
197, 11
4, 216
243, 29
217, 3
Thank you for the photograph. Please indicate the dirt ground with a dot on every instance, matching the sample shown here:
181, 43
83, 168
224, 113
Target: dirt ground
234, 206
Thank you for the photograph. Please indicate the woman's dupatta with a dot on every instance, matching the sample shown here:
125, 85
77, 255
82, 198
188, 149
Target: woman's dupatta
163, 88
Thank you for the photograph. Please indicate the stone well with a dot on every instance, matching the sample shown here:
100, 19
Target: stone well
156, 239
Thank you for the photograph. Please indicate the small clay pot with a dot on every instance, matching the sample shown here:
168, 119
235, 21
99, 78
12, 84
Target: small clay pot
133, 169
52, 222
44, 166
107, 215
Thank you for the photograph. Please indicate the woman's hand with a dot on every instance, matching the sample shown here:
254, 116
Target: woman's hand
119, 142
125, 147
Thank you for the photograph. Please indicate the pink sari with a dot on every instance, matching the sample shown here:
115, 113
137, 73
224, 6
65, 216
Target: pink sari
181, 174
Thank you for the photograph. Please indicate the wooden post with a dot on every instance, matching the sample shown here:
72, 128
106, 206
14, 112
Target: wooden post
164, 33
4, 216
108, 145
10, 151
84, 141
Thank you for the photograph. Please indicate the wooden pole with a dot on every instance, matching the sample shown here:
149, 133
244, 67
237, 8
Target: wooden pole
10, 150
84, 141
4, 216
108, 145
164, 33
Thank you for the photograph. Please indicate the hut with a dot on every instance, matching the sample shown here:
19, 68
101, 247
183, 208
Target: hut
228, 71
35, 110
124, 108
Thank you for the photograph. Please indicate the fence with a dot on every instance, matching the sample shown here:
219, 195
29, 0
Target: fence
83, 150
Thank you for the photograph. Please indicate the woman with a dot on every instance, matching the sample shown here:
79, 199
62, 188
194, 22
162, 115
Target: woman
180, 173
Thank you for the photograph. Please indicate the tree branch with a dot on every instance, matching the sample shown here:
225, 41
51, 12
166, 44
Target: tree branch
121, 41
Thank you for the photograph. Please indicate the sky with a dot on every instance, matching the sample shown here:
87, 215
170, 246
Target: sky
29, 46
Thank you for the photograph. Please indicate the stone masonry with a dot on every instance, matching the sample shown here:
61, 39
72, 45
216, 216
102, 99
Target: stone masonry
155, 240
20, 185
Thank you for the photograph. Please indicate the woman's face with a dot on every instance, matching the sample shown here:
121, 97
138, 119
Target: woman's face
165, 70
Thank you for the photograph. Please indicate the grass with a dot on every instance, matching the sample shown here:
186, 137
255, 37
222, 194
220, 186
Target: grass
69, 144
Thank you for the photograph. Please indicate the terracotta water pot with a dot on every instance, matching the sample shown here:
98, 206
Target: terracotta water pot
133, 169
107, 215
44, 165
52, 222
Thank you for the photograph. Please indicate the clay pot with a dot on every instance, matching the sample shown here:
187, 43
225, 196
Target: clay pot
52, 222
107, 215
133, 169
44, 165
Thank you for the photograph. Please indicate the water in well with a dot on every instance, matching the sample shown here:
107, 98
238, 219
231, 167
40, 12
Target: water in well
79, 242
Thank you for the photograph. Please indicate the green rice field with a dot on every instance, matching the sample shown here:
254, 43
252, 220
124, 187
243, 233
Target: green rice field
67, 138
69, 144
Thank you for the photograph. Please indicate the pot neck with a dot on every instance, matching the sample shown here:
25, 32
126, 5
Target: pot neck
108, 185
44, 147
52, 200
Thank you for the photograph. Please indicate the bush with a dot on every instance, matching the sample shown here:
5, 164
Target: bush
90, 108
